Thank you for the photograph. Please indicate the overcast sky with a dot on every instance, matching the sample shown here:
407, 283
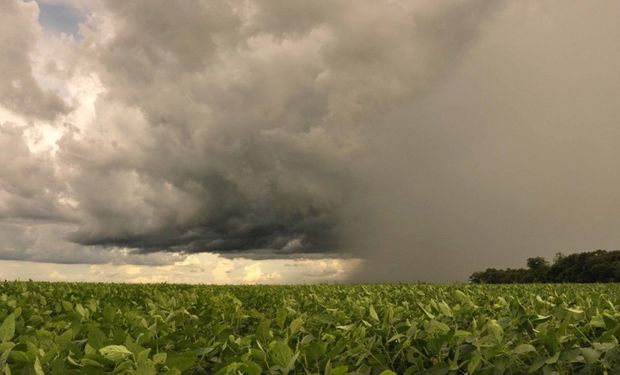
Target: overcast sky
271, 141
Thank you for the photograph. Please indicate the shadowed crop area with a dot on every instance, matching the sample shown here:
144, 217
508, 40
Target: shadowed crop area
65, 328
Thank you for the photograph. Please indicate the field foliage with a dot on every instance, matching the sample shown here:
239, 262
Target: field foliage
64, 328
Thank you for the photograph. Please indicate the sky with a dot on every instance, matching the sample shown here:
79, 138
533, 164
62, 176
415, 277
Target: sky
269, 141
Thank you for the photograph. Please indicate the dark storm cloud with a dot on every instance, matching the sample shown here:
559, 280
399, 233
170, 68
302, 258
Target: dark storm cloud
37, 241
228, 127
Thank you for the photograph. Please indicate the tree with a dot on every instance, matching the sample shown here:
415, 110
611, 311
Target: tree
537, 263
587, 267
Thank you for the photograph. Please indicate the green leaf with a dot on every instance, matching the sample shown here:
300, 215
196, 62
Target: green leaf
251, 368
5, 349
373, 313
425, 311
146, 368
296, 325
590, 355
604, 346
96, 338
553, 359
575, 311
495, 329
38, 370
474, 362
263, 331
387, 372
524, 348
80, 310
445, 309
143, 355
542, 318
314, 351
20, 356
108, 313
115, 353
160, 358
182, 361
280, 353
538, 363
281, 317
90, 362
435, 327
7, 329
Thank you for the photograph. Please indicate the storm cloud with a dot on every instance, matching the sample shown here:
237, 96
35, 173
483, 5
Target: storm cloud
278, 129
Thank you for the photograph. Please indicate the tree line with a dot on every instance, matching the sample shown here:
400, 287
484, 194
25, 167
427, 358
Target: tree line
587, 267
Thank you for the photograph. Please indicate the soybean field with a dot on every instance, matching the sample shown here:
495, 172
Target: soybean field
85, 328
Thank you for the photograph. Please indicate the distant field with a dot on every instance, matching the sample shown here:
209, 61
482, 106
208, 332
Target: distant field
61, 328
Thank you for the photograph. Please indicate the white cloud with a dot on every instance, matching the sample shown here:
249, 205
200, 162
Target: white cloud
194, 269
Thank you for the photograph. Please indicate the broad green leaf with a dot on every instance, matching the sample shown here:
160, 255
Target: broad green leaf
474, 362
160, 358
295, 325
280, 353
435, 327
146, 368
115, 353
182, 361
495, 329
590, 355
7, 329
445, 309
108, 313
251, 368
263, 331
143, 355
281, 317
96, 338
553, 359
314, 351
604, 346
524, 348
20, 356
81, 310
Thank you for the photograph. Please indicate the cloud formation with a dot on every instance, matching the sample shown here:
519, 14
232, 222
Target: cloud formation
19, 91
400, 132
217, 126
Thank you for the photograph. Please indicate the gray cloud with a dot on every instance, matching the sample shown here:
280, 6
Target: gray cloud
45, 242
228, 128
19, 91
29, 185
510, 155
